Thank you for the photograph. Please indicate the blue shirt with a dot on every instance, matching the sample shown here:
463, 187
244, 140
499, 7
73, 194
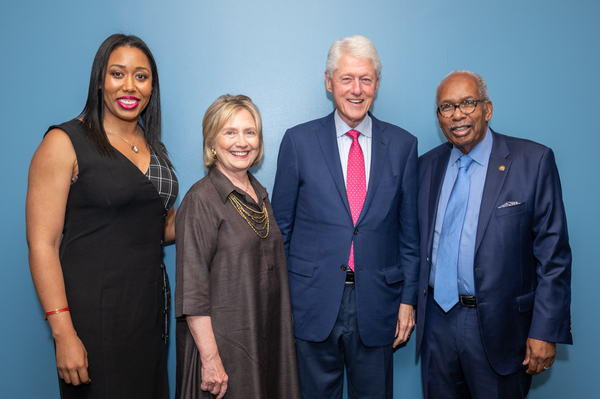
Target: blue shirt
477, 173
344, 142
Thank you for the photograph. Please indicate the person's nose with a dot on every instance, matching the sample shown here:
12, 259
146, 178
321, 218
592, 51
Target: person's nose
241, 140
128, 84
356, 89
458, 115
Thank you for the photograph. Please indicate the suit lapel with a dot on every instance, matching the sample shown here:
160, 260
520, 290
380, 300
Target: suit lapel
498, 169
438, 172
379, 150
326, 136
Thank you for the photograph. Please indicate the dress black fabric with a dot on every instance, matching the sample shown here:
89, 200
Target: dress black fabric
111, 257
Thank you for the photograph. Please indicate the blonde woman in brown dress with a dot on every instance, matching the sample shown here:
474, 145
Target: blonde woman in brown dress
234, 323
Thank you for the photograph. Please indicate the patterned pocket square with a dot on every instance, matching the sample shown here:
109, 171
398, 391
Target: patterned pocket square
509, 203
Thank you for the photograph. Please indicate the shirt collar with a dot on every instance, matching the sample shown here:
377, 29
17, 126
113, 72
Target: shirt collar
341, 127
224, 186
481, 152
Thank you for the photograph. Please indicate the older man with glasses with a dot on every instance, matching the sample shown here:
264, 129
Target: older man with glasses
494, 286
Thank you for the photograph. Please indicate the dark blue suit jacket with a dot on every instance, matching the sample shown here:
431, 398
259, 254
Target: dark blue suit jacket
522, 267
312, 211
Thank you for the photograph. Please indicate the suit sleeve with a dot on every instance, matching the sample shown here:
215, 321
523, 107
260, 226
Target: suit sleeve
551, 313
409, 229
286, 189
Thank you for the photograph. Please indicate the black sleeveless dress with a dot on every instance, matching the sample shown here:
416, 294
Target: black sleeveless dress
111, 257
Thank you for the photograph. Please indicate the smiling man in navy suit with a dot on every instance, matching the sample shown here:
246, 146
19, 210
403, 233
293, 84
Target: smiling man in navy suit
345, 201
494, 287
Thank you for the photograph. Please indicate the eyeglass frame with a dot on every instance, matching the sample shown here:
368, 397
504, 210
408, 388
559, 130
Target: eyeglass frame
458, 106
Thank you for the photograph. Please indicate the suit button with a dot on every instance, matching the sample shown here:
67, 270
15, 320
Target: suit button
343, 267
355, 231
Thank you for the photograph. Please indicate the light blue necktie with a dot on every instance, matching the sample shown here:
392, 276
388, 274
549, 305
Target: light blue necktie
446, 269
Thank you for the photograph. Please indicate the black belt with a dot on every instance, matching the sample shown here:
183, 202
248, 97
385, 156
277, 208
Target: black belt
350, 276
468, 301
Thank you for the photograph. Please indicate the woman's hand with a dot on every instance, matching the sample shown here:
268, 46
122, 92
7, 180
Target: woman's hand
71, 359
214, 378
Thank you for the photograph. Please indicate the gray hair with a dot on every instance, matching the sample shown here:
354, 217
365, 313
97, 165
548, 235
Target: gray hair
481, 85
355, 46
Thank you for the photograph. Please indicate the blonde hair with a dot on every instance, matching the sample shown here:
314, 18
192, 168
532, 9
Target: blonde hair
218, 114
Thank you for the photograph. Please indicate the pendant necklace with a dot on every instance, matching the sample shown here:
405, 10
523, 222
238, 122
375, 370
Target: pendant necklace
132, 145
247, 184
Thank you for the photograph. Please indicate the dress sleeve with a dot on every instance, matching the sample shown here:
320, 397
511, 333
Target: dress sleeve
196, 231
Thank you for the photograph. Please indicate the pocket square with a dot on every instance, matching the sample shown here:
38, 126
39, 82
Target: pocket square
509, 203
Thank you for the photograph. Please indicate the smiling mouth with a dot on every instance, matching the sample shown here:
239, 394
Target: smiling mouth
359, 101
460, 130
240, 153
128, 101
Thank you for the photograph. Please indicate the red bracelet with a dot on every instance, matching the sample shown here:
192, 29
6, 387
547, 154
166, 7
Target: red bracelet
54, 311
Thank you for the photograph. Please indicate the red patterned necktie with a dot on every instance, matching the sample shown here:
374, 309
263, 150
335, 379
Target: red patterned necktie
356, 185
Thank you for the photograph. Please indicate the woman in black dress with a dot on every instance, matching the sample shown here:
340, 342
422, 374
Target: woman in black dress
99, 205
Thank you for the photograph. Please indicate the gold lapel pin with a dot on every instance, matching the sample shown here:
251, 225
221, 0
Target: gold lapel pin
501, 168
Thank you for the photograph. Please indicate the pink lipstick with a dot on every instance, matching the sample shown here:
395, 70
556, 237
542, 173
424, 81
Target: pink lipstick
128, 102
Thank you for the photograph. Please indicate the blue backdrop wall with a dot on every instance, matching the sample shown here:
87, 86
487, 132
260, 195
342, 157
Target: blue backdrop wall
540, 59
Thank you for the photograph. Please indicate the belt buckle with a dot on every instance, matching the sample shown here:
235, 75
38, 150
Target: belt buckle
468, 301
349, 276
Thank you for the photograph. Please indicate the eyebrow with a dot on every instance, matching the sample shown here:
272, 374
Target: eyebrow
123, 66
463, 99
235, 129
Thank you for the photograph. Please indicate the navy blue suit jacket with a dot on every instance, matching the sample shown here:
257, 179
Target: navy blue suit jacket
522, 267
312, 211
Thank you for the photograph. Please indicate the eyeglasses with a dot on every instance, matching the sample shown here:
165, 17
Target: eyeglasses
466, 107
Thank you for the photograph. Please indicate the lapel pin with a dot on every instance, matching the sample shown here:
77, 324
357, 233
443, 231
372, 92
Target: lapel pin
501, 168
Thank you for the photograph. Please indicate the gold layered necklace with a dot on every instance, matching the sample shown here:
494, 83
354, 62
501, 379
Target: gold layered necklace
258, 221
